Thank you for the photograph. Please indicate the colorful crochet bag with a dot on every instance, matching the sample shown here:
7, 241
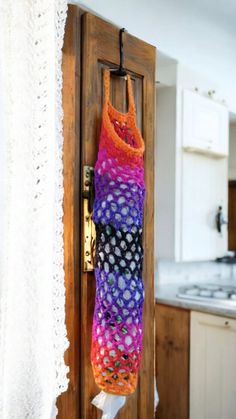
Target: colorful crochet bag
118, 215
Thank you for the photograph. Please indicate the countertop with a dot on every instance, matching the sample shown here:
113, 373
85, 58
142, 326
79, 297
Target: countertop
167, 294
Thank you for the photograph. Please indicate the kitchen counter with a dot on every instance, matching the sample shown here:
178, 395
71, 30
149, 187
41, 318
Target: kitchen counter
167, 294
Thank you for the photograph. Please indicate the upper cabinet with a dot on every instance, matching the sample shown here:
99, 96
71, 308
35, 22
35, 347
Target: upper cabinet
205, 125
191, 175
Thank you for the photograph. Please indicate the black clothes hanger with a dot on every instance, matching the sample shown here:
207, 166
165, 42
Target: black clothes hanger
120, 72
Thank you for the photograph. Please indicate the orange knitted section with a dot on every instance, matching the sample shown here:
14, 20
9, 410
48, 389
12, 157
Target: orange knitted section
124, 387
115, 151
118, 374
128, 118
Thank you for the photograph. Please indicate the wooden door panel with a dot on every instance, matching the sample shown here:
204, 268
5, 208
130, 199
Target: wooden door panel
172, 362
90, 45
100, 50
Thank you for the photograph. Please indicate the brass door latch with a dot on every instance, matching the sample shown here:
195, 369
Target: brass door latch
88, 225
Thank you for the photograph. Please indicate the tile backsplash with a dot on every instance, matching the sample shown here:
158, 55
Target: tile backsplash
171, 272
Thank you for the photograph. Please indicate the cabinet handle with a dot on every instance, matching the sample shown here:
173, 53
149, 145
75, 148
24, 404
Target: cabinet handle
221, 324
220, 219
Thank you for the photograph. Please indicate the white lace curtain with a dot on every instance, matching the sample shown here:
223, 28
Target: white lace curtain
32, 315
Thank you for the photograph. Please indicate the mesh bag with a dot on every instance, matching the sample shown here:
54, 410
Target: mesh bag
118, 214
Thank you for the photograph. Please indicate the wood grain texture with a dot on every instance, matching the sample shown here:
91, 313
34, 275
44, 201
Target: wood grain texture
172, 362
69, 402
90, 45
100, 49
232, 215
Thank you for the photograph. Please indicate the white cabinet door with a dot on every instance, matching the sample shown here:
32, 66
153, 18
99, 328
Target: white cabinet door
212, 367
205, 125
204, 189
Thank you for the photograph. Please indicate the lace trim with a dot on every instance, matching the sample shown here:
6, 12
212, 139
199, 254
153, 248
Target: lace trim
33, 334
60, 340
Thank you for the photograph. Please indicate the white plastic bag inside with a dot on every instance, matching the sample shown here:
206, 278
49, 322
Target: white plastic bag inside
109, 404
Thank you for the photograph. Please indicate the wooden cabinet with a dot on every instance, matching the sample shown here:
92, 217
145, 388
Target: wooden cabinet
205, 125
212, 367
172, 362
195, 365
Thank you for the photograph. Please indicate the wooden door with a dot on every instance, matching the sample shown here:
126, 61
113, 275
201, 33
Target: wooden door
232, 216
172, 362
91, 44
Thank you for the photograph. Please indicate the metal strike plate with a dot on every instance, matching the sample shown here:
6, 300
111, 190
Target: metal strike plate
88, 225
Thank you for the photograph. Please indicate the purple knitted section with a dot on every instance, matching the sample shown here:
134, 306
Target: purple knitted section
126, 309
118, 203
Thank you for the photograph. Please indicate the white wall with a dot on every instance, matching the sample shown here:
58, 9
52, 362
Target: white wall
196, 33
2, 175
165, 172
232, 152
168, 272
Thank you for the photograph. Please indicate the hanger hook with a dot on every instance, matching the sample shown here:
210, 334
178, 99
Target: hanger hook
121, 36
121, 70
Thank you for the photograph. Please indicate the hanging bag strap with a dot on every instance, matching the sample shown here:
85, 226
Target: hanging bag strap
132, 110
106, 81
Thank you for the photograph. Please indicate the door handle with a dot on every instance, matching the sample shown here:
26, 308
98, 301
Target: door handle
88, 186
89, 231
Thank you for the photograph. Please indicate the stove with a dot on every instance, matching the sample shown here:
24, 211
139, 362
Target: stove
224, 294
